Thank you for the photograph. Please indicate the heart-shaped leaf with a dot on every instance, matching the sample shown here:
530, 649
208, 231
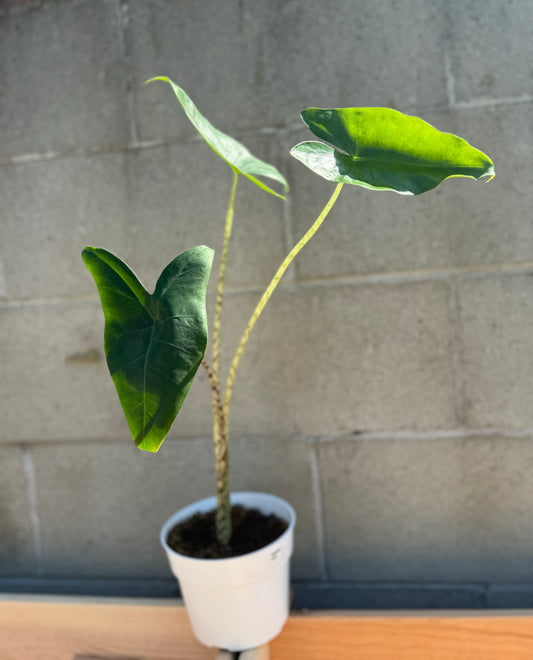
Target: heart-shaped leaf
154, 343
234, 153
383, 149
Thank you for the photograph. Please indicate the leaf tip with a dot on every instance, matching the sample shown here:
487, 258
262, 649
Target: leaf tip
208, 250
156, 78
87, 253
279, 195
149, 444
490, 173
286, 188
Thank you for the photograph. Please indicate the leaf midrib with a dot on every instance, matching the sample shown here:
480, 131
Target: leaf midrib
410, 163
146, 360
391, 162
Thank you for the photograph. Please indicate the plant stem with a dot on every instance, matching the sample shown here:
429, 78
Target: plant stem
221, 408
266, 296
220, 437
223, 512
221, 275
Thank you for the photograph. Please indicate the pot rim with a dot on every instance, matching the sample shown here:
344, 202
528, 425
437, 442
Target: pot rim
208, 504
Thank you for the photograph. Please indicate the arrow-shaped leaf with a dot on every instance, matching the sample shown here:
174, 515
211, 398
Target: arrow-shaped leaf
230, 150
154, 343
383, 149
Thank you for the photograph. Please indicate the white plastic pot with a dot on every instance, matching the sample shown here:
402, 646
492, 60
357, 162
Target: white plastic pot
240, 602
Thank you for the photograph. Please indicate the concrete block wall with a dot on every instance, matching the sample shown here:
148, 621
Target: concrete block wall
387, 390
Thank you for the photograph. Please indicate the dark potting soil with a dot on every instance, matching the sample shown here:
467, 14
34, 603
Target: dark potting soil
252, 530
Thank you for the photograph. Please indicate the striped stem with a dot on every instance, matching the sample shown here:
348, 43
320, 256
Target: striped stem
266, 296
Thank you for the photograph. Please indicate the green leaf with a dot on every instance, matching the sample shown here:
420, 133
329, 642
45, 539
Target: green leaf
232, 152
154, 343
383, 149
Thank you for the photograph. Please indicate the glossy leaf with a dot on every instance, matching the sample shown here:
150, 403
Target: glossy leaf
383, 149
230, 150
154, 343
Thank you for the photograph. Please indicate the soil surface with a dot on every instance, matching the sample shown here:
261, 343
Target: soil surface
252, 530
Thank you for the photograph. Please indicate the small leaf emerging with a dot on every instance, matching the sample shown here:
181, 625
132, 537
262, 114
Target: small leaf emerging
383, 149
230, 150
154, 343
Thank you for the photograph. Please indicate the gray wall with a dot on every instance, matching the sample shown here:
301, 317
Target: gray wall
387, 391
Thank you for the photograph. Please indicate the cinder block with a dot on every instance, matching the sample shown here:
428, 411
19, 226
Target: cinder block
251, 65
460, 224
101, 505
337, 358
495, 351
56, 383
490, 223
63, 82
51, 210
434, 510
17, 549
146, 206
491, 50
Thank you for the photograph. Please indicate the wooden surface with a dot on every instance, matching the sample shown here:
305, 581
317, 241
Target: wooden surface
404, 636
89, 629
84, 629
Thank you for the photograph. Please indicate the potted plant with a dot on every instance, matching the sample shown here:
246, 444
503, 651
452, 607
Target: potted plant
156, 342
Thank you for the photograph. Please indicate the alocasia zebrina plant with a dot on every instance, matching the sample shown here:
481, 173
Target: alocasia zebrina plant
155, 342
